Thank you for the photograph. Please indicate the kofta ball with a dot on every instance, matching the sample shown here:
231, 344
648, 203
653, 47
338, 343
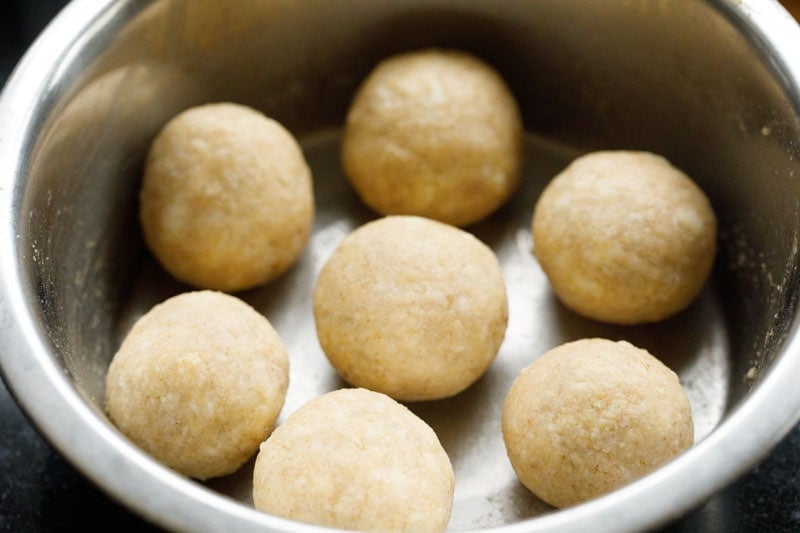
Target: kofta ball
198, 383
434, 133
590, 416
624, 237
355, 459
411, 307
226, 201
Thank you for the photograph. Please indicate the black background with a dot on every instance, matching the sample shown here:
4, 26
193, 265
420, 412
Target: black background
40, 491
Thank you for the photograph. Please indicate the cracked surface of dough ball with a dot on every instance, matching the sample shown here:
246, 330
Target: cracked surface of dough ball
624, 237
198, 383
411, 307
226, 201
434, 133
355, 459
590, 416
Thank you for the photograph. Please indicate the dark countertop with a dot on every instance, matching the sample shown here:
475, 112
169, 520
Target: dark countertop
40, 491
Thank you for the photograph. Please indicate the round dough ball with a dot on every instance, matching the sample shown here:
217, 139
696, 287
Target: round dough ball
592, 415
355, 459
411, 307
624, 237
433, 133
226, 201
198, 383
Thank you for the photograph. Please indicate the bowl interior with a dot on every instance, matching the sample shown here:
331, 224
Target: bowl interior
599, 75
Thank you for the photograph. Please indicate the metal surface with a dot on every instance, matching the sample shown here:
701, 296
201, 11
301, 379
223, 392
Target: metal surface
720, 98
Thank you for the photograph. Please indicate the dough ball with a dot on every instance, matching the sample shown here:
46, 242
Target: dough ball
624, 237
433, 133
592, 415
411, 307
226, 201
355, 459
198, 383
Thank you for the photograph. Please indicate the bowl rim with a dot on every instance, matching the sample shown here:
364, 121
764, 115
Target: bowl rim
82, 435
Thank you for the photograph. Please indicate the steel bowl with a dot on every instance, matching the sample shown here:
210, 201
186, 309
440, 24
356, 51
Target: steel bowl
712, 85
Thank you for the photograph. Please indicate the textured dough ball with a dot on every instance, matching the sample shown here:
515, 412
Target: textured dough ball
411, 307
624, 237
433, 133
226, 201
355, 459
198, 383
592, 415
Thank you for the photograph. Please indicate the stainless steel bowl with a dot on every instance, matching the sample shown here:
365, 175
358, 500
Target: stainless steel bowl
713, 85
